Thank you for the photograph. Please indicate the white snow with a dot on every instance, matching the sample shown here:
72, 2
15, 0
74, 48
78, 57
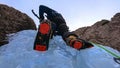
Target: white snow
19, 53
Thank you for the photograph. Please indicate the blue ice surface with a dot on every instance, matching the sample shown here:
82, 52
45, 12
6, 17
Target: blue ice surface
19, 53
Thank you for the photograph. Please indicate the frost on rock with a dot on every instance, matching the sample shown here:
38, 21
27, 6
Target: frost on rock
19, 53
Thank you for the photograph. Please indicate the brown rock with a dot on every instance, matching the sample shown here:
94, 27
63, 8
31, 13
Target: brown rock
11, 21
103, 32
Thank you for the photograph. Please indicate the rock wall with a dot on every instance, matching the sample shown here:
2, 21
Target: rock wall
103, 32
12, 21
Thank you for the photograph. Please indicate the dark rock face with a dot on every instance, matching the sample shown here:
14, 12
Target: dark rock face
12, 21
103, 32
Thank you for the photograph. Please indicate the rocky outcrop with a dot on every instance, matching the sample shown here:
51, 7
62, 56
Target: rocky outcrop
103, 32
12, 21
